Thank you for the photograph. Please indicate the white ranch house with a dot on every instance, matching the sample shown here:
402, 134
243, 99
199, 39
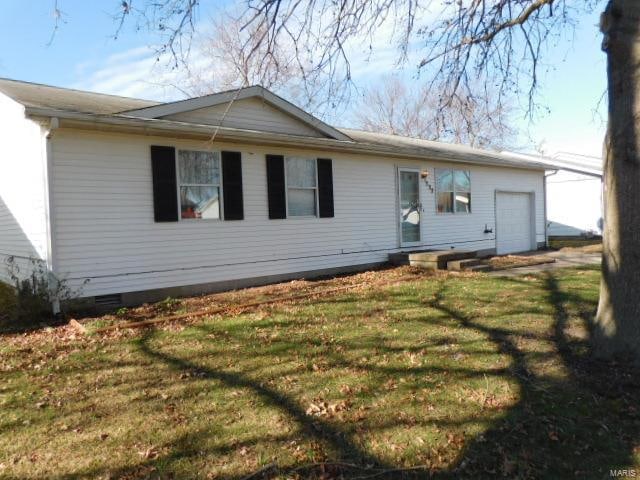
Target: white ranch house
136, 198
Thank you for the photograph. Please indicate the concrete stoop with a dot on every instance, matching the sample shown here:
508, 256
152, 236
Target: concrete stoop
457, 260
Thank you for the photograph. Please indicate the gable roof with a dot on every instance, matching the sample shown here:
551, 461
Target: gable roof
181, 106
96, 111
45, 96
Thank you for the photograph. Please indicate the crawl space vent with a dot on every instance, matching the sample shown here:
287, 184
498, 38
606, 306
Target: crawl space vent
107, 301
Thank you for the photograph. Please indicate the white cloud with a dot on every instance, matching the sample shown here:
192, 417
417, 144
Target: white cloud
137, 72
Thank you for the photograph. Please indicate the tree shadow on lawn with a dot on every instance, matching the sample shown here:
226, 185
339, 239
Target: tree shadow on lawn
580, 425
580, 418
344, 453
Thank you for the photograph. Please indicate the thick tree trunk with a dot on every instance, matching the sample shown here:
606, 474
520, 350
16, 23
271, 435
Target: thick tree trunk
617, 327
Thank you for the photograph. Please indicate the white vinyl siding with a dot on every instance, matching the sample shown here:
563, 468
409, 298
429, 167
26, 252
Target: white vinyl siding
249, 114
23, 205
105, 230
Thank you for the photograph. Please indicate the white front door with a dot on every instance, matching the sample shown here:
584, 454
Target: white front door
410, 206
514, 222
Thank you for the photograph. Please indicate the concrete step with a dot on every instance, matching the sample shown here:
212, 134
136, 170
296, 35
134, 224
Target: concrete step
478, 268
399, 258
442, 255
437, 260
424, 265
465, 264
430, 259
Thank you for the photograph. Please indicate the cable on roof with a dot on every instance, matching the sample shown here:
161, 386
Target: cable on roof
226, 111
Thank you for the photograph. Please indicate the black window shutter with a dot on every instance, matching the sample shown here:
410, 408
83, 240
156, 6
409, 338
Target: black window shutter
325, 187
165, 194
276, 187
232, 185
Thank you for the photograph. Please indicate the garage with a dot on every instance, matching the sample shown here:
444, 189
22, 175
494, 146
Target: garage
514, 222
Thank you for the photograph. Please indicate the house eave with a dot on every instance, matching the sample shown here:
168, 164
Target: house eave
175, 129
554, 164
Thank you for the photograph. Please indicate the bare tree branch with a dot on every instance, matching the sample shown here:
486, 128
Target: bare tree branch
58, 17
223, 61
464, 43
468, 41
397, 108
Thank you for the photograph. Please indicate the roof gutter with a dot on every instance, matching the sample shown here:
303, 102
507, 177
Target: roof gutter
146, 126
588, 173
551, 164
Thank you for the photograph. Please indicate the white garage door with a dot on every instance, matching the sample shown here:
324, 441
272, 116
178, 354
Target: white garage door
513, 222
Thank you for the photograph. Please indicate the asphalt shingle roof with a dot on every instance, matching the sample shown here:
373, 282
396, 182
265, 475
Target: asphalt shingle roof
45, 96
77, 101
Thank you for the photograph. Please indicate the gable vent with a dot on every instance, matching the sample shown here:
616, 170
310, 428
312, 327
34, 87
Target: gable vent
108, 301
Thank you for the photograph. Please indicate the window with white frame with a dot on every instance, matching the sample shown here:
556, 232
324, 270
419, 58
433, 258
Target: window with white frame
453, 189
302, 187
199, 181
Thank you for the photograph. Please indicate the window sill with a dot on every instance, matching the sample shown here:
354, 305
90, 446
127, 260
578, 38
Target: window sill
198, 220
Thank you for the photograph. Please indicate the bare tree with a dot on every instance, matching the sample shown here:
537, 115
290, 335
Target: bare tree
398, 108
223, 63
462, 42
618, 318
173, 20
498, 41
221, 60
323, 77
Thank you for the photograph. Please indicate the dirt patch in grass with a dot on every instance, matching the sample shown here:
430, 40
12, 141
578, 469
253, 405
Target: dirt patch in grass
505, 262
594, 248
452, 376
234, 301
587, 245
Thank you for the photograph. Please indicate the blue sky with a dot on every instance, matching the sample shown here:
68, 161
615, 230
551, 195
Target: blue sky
85, 55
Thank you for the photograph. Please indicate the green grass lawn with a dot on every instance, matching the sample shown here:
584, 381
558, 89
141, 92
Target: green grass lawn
462, 376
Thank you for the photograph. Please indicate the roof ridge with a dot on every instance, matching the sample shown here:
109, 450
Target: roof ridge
221, 92
461, 146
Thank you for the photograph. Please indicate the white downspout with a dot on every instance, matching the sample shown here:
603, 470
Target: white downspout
48, 185
546, 219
